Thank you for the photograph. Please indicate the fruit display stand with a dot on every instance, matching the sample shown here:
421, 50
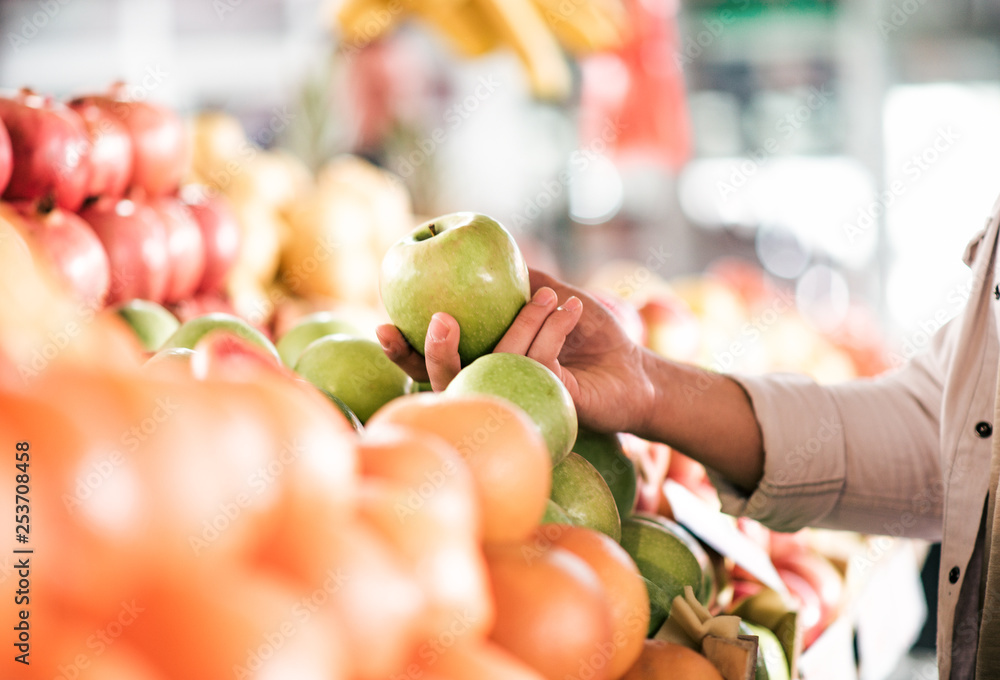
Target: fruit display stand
188, 363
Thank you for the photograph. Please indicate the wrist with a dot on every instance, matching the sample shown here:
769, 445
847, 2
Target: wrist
654, 406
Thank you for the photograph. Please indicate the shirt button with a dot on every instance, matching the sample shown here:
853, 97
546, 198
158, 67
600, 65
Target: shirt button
984, 429
953, 575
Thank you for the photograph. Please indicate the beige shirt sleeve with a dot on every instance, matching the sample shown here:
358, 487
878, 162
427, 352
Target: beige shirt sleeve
862, 455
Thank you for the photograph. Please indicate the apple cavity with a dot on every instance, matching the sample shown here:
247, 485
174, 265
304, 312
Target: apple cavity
49, 146
70, 245
465, 264
135, 239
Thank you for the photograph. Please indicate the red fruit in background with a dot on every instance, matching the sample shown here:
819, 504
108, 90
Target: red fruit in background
135, 239
160, 153
686, 471
672, 329
625, 314
821, 575
200, 305
220, 232
110, 149
810, 607
784, 544
6, 157
49, 146
70, 245
185, 248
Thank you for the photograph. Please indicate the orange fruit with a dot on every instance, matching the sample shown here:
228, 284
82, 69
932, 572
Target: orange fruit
506, 454
248, 624
372, 592
626, 591
483, 660
665, 660
435, 479
552, 611
450, 568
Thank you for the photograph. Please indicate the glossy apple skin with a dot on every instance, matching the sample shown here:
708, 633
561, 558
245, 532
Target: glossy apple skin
221, 236
49, 147
185, 248
160, 145
307, 330
110, 150
6, 157
355, 370
190, 332
72, 248
151, 323
529, 385
464, 264
135, 239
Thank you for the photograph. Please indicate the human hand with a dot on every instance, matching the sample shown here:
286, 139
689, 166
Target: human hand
577, 339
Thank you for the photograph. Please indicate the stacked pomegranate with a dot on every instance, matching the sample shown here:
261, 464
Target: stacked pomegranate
94, 185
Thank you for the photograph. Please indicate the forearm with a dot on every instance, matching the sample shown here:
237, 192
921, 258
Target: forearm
704, 415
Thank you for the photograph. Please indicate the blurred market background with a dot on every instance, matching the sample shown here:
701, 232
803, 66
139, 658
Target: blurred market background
838, 154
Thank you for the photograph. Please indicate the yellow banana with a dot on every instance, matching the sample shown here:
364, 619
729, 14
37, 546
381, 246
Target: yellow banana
362, 21
463, 22
523, 28
580, 25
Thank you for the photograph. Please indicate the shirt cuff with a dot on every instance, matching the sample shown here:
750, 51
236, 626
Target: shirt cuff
804, 454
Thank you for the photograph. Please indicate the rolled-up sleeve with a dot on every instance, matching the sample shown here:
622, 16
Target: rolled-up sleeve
859, 456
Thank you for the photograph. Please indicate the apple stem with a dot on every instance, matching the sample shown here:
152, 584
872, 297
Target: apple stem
432, 230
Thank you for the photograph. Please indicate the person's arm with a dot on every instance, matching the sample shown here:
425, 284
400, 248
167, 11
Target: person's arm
616, 385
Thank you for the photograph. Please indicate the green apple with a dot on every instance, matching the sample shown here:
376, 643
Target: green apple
704, 590
169, 363
464, 264
771, 661
605, 452
309, 328
528, 384
352, 417
554, 514
665, 561
195, 329
579, 489
151, 322
355, 370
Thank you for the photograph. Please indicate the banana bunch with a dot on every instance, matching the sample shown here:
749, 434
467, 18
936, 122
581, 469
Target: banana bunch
537, 30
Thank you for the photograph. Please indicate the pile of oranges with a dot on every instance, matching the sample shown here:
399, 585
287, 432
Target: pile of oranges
235, 525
